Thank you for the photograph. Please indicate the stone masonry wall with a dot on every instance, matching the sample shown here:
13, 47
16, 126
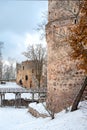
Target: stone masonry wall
64, 80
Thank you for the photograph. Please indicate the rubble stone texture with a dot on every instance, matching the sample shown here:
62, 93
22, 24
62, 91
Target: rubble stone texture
64, 80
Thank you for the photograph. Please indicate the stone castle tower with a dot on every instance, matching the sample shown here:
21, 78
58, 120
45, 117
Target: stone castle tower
25, 74
64, 80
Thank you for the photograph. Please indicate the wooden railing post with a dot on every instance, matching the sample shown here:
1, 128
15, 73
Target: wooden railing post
0, 99
32, 96
17, 99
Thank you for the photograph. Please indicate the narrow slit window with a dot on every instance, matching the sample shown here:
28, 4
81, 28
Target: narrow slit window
75, 21
26, 77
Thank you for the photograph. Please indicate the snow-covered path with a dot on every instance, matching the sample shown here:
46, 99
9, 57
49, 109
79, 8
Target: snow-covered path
20, 119
11, 118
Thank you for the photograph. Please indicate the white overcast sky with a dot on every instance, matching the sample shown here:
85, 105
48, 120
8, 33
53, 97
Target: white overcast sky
17, 22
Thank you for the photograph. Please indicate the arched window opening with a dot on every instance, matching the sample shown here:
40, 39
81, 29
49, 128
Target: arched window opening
26, 77
32, 70
23, 67
75, 21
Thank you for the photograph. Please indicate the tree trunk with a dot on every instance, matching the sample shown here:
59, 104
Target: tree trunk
79, 95
38, 88
39, 83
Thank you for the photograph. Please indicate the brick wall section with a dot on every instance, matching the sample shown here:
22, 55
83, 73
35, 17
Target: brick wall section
64, 81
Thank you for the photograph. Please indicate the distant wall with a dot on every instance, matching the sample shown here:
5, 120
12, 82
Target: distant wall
25, 73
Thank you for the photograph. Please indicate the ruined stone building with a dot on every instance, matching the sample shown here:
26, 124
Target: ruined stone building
25, 71
64, 80
26, 75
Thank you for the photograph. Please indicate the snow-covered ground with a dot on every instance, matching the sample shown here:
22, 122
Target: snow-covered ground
9, 85
39, 107
20, 119
11, 95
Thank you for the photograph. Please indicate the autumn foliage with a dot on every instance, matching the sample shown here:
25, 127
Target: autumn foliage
78, 38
